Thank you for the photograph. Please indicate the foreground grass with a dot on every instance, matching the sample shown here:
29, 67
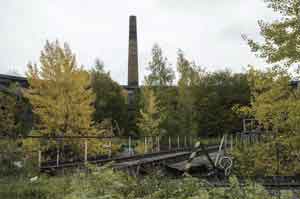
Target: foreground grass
106, 183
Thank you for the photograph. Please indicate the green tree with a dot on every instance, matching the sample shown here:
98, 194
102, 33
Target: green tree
281, 37
110, 102
272, 98
15, 113
160, 81
59, 92
151, 117
275, 102
161, 74
223, 90
15, 122
206, 100
190, 77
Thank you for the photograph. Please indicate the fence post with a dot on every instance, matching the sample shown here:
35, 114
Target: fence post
193, 141
231, 142
40, 158
151, 143
145, 146
225, 143
57, 157
110, 149
158, 143
129, 145
156, 140
85, 151
185, 144
170, 143
178, 142
248, 139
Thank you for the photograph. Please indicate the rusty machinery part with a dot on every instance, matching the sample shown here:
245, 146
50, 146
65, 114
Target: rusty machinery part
188, 165
225, 163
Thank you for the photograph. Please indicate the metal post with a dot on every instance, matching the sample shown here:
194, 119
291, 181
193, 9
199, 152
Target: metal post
85, 151
219, 151
193, 142
151, 143
57, 157
145, 146
178, 142
129, 145
156, 140
244, 125
248, 139
110, 149
225, 143
158, 143
231, 142
40, 158
170, 143
185, 142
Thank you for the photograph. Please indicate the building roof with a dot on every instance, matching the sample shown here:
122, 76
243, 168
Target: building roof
5, 80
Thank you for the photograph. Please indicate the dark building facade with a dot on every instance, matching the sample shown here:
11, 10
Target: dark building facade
6, 80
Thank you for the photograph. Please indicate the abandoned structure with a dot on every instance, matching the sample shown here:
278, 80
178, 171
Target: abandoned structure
133, 73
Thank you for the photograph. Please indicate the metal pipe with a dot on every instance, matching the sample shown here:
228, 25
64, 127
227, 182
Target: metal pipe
219, 151
57, 156
129, 145
231, 142
158, 143
40, 158
110, 149
145, 146
85, 150
151, 143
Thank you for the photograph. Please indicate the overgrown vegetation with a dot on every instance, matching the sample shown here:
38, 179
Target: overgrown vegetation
68, 100
110, 103
202, 103
105, 183
275, 96
15, 112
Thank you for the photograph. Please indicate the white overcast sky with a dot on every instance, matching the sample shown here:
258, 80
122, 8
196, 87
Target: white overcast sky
208, 31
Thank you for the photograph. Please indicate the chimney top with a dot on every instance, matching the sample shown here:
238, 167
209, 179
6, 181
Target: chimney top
133, 76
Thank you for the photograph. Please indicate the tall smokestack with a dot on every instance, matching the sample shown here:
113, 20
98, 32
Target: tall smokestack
133, 73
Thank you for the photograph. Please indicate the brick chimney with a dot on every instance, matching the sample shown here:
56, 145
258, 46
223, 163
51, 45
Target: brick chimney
133, 73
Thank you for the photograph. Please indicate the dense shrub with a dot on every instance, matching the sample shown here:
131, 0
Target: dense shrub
277, 156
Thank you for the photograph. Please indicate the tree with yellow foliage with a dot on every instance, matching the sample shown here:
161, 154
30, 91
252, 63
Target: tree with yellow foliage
60, 94
151, 117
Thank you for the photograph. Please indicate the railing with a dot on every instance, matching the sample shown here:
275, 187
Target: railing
56, 150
